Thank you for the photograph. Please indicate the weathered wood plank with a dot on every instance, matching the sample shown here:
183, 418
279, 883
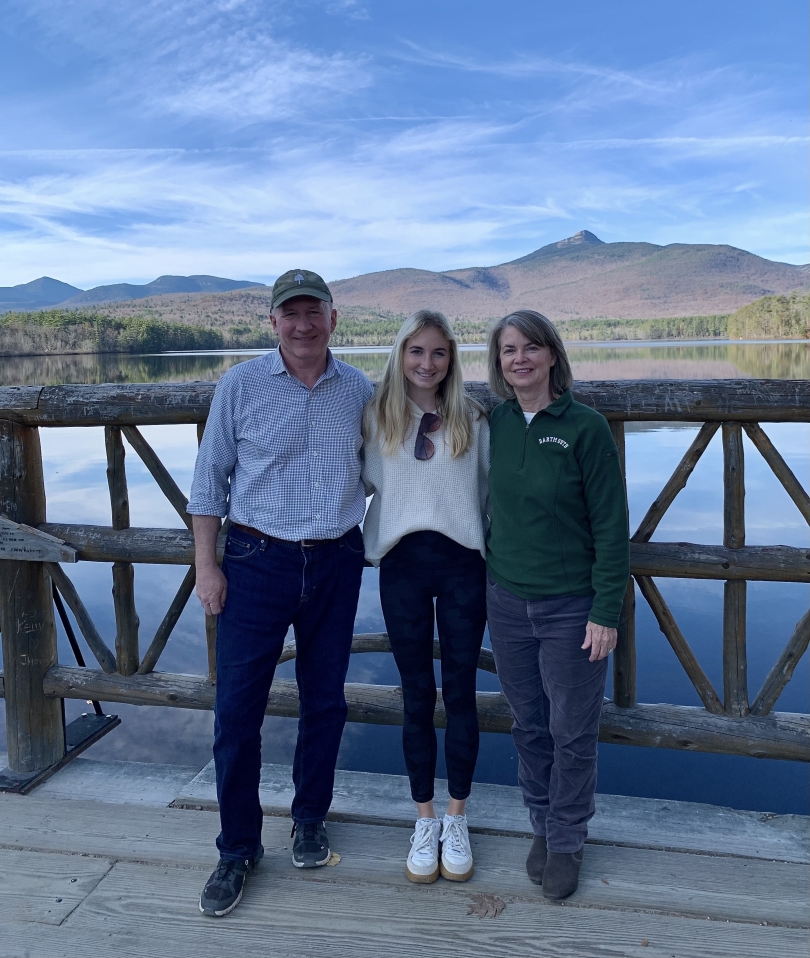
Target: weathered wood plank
733, 486
379, 642
166, 627
675, 483
284, 913
624, 656
96, 644
108, 404
35, 726
693, 561
159, 472
778, 735
780, 468
126, 616
88, 825
672, 633
658, 881
735, 659
667, 559
22, 543
372, 798
45, 888
783, 670
742, 400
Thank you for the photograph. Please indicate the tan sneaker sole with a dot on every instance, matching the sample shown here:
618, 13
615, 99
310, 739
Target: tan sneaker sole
456, 876
422, 879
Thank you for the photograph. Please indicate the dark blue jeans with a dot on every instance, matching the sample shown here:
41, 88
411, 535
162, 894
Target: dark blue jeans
271, 586
556, 696
421, 567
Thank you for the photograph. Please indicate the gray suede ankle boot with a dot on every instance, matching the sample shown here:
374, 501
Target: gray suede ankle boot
536, 862
561, 874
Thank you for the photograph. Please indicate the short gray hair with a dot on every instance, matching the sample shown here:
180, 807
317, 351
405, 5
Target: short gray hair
540, 331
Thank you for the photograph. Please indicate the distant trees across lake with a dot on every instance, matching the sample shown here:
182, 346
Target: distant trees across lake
63, 331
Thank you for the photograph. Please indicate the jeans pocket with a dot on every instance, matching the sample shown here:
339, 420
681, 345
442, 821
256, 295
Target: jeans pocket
353, 542
237, 548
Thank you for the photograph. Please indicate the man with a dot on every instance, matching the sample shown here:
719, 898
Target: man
281, 459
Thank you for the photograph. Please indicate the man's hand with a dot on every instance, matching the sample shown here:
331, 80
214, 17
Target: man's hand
211, 583
600, 640
211, 589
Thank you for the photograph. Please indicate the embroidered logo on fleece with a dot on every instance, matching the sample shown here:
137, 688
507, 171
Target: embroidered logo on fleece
560, 442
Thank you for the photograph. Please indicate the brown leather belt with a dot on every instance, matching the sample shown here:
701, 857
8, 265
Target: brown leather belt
304, 543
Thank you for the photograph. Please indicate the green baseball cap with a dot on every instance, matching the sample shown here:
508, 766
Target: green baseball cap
299, 282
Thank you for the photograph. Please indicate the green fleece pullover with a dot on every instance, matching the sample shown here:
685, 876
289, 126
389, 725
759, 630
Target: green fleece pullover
558, 508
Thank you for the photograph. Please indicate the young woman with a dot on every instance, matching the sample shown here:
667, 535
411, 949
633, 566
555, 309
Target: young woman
426, 464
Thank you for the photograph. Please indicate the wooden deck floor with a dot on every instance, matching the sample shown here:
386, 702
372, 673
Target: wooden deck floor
93, 879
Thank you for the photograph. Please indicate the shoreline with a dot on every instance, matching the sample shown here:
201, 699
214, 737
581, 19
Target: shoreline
463, 347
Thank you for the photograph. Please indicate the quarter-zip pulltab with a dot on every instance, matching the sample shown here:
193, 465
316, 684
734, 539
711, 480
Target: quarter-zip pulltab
525, 443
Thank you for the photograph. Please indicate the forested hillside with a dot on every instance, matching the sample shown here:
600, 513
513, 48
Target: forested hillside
772, 317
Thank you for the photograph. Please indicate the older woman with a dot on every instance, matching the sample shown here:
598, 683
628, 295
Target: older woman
557, 569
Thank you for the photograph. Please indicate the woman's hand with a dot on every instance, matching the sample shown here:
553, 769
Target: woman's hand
600, 640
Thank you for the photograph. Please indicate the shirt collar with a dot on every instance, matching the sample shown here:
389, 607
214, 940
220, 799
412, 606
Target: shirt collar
276, 365
557, 408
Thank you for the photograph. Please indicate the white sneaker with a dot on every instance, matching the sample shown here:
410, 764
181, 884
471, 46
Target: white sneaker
457, 860
423, 859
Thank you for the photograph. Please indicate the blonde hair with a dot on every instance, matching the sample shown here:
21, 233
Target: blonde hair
389, 407
540, 331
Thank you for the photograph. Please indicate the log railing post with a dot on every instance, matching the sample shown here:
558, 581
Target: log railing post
35, 725
210, 620
126, 616
735, 669
624, 658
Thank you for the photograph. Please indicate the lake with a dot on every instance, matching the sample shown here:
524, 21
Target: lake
76, 487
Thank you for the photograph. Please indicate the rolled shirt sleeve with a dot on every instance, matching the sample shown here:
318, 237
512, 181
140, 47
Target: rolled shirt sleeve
216, 458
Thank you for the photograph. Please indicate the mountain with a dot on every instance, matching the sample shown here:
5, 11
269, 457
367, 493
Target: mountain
36, 294
583, 277
162, 286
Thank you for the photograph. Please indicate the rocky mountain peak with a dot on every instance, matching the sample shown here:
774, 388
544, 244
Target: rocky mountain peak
583, 237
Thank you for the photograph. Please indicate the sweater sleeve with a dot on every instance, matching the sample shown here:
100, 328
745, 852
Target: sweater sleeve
483, 469
605, 499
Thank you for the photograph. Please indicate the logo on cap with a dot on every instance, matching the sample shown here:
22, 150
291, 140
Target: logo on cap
298, 278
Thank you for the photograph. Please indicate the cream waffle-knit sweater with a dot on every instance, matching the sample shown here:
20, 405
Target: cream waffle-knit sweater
440, 494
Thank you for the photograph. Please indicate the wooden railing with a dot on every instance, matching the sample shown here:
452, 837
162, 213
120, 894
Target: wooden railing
34, 552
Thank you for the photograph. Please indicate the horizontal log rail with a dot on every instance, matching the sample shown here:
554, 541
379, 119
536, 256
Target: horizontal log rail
664, 400
667, 559
779, 735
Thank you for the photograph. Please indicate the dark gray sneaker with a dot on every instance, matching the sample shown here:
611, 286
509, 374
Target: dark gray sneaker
537, 858
223, 890
561, 874
311, 845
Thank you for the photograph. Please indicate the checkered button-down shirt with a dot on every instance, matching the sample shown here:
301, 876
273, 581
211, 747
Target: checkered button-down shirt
280, 457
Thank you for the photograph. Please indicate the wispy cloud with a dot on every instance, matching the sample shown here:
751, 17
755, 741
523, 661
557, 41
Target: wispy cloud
224, 61
223, 138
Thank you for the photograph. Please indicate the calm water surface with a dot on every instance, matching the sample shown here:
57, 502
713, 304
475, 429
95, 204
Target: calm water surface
77, 492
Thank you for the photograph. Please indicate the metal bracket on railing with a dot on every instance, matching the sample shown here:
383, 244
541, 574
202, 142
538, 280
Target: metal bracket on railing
80, 734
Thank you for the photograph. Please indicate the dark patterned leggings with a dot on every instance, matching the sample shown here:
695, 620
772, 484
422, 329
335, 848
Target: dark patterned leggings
421, 567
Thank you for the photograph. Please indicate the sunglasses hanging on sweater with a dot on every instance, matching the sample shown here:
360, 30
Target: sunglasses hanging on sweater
424, 447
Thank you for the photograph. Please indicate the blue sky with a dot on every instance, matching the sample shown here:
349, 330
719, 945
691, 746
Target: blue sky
240, 138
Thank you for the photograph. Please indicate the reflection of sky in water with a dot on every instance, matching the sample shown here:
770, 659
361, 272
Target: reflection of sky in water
77, 492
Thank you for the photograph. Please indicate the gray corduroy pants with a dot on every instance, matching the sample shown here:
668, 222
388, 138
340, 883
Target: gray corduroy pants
556, 696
